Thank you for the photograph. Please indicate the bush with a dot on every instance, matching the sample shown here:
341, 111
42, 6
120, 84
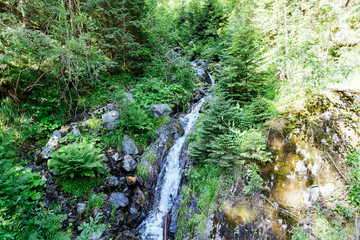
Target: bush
22, 216
353, 159
137, 122
77, 159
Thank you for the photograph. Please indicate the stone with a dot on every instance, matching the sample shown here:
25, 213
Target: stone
131, 180
128, 146
114, 181
51, 146
105, 159
129, 96
160, 110
110, 119
75, 132
133, 209
129, 163
119, 199
140, 197
116, 157
80, 208
201, 71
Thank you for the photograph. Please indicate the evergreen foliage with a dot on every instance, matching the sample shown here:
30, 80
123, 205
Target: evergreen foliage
241, 79
119, 29
212, 135
77, 160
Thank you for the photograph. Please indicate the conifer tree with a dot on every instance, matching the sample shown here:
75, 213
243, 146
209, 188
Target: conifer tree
119, 29
213, 140
241, 79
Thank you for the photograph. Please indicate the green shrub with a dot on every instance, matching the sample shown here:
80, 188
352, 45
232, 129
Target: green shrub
137, 122
91, 227
255, 185
298, 233
96, 201
252, 145
77, 159
112, 139
353, 159
22, 215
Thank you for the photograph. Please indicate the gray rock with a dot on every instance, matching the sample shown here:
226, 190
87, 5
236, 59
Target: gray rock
80, 208
128, 146
114, 181
160, 110
129, 96
201, 70
75, 132
129, 163
105, 159
119, 199
116, 157
51, 145
110, 119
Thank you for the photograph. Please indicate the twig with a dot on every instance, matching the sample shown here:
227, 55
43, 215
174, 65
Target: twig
346, 180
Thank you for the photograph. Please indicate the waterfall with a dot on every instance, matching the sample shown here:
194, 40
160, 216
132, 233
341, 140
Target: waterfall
171, 172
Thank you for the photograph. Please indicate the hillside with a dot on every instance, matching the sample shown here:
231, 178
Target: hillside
191, 119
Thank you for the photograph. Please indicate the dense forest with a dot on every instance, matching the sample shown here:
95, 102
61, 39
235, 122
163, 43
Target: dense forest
93, 94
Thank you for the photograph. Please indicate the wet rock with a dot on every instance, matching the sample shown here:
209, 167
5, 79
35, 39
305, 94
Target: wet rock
128, 235
131, 181
110, 119
161, 110
119, 199
135, 219
51, 146
80, 208
165, 139
201, 70
114, 181
129, 163
128, 146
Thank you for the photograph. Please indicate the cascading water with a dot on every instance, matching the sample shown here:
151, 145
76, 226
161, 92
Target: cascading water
153, 224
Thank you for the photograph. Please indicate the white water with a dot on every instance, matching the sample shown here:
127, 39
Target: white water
153, 224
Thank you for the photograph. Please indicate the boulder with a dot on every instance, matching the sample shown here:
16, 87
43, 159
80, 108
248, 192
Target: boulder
128, 146
80, 208
51, 146
119, 199
129, 163
161, 110
110, 119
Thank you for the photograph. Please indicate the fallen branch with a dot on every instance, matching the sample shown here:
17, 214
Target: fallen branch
337, 168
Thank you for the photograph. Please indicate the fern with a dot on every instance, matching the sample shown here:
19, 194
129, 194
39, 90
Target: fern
77, 159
